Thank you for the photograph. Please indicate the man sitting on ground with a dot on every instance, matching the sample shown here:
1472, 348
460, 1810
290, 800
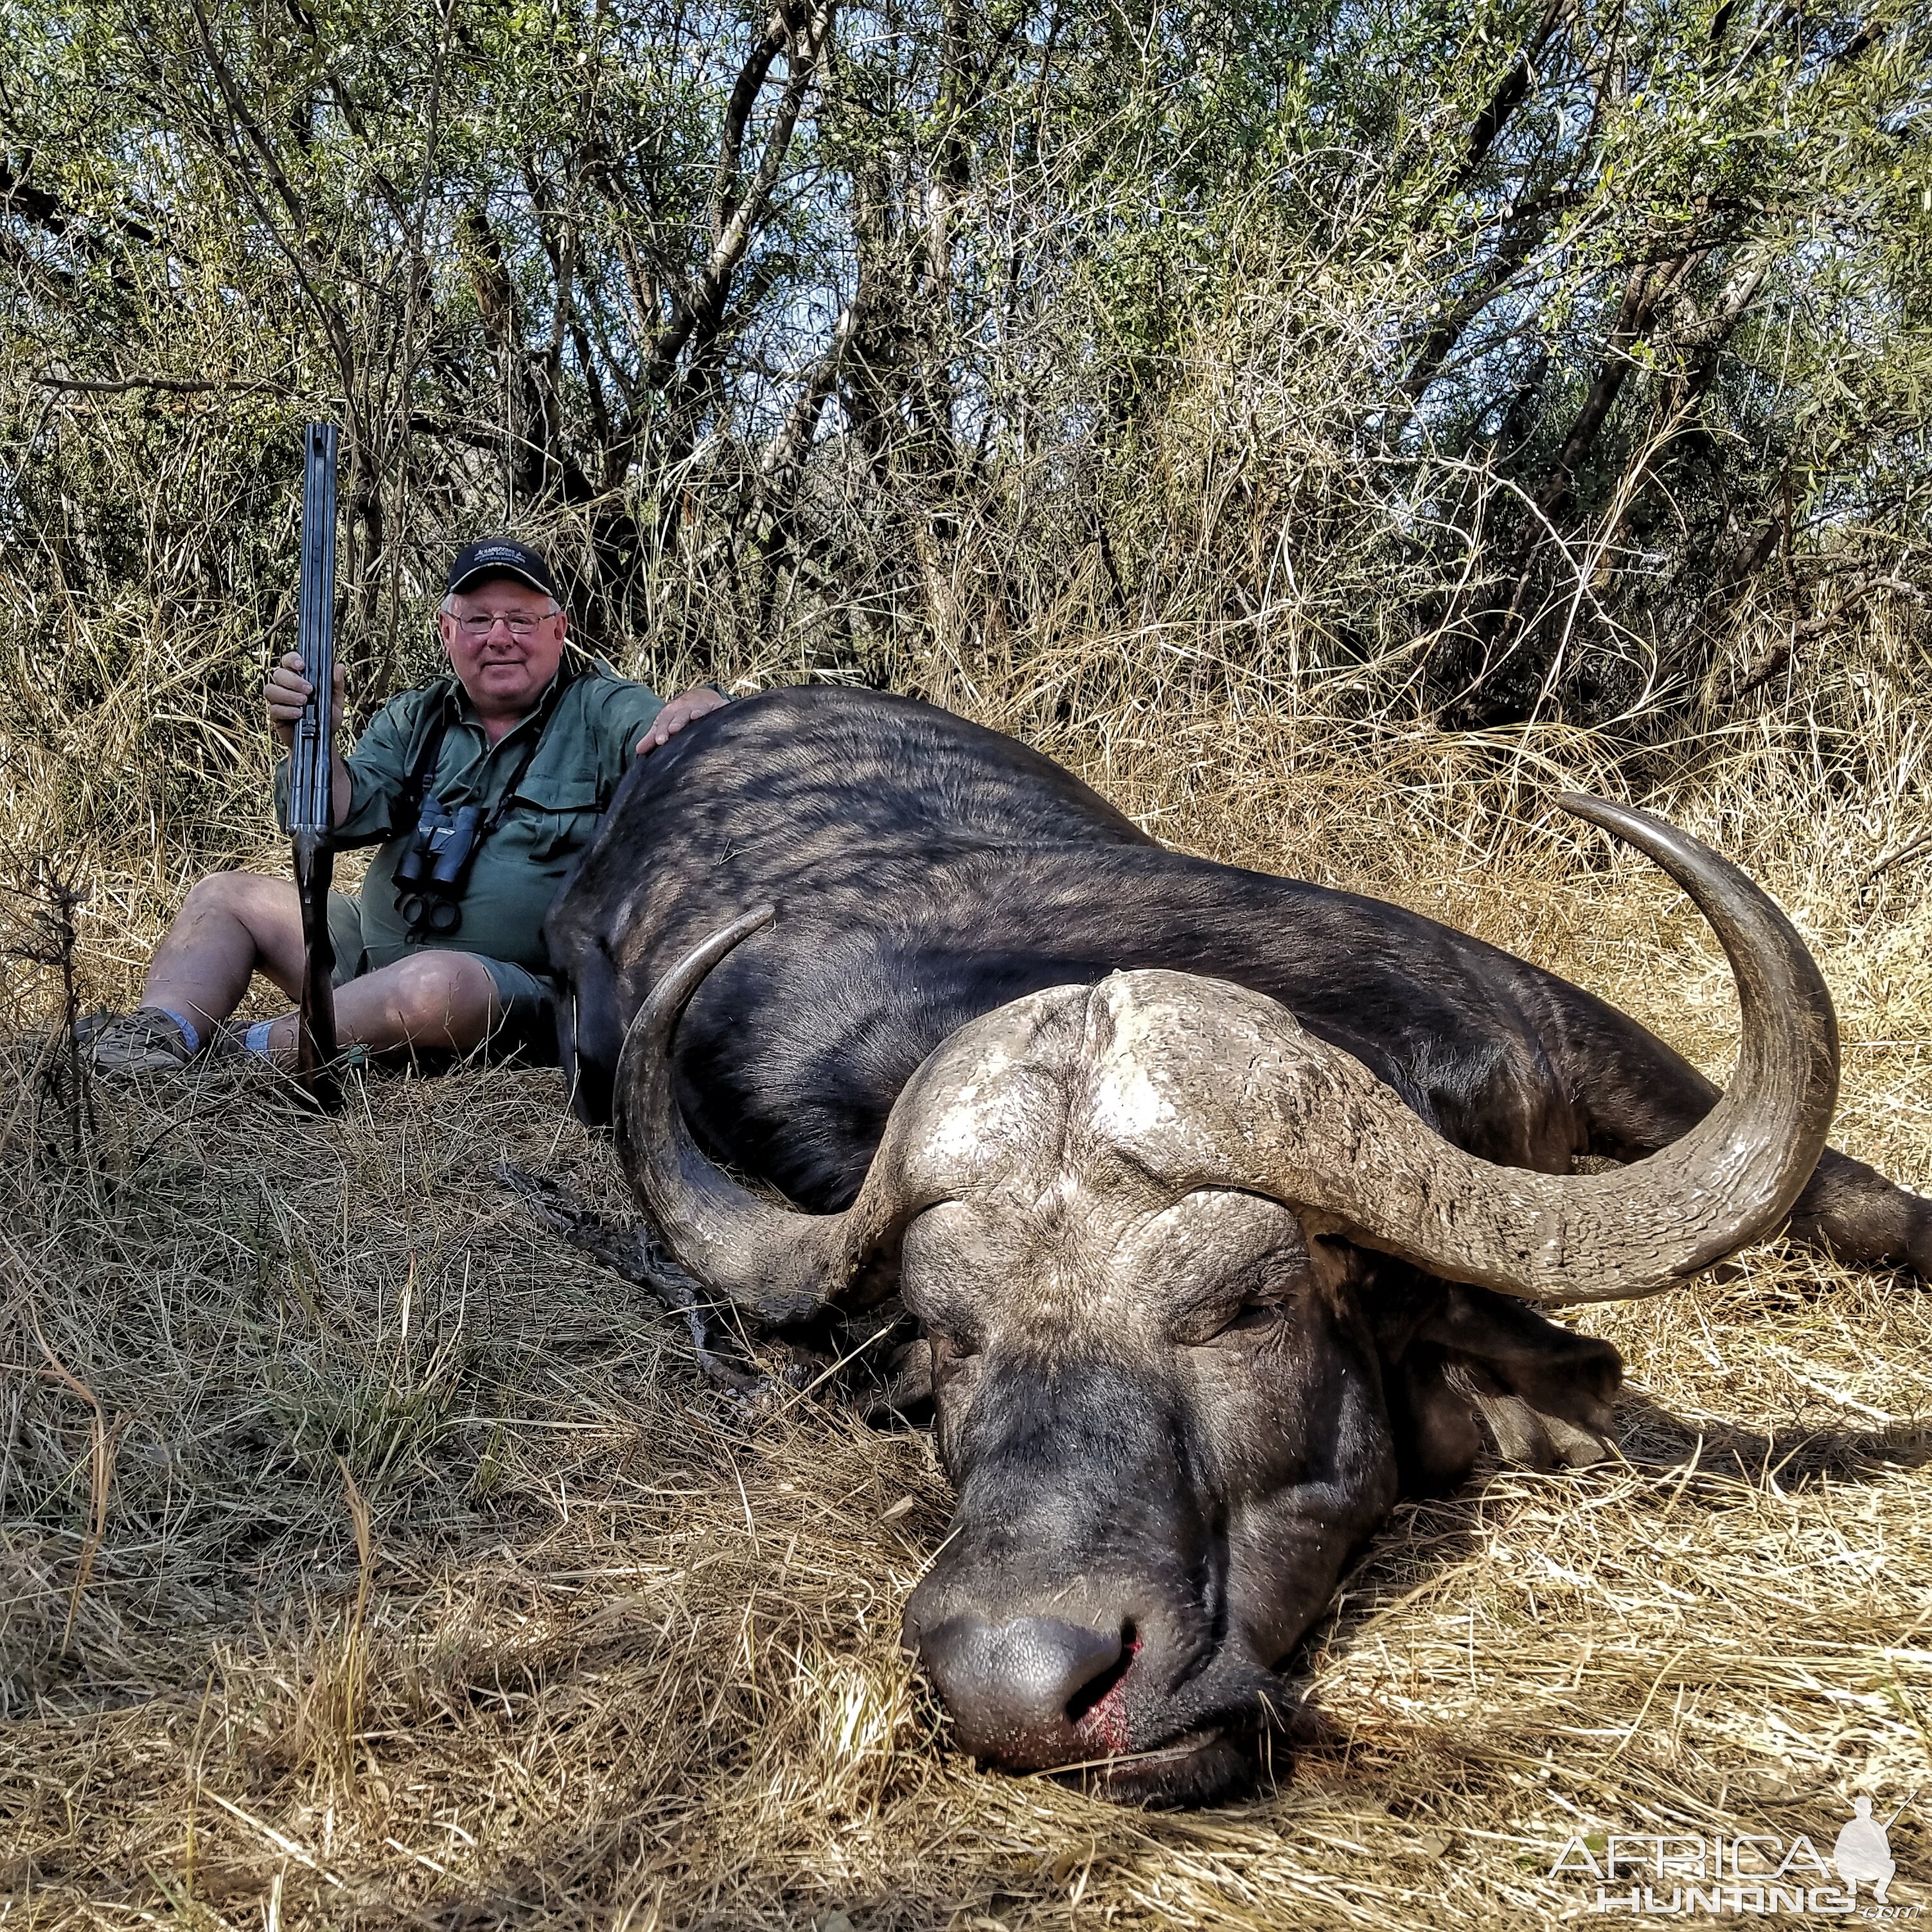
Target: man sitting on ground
522, 746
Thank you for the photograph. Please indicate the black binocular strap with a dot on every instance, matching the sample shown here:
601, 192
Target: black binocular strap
415, 787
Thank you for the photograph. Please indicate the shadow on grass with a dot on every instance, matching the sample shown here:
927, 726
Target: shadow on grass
1790, 1457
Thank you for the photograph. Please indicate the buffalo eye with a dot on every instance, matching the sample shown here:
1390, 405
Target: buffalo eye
1253, 1315
1248, 1322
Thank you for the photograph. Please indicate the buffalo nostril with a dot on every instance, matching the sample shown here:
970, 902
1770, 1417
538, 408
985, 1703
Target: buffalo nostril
1100, 1688
1011, 1686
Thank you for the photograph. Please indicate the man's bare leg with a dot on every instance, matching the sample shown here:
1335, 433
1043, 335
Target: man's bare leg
234, 925
432, 1002
231, 926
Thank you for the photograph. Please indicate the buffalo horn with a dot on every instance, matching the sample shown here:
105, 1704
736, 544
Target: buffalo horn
1309, 1126
776, 1265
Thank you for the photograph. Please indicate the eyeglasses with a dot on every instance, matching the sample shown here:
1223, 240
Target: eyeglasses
520, 625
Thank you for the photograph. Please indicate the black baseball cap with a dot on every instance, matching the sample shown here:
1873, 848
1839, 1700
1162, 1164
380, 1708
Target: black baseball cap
501, 557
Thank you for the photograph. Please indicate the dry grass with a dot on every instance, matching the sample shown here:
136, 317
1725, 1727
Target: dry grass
366, 1562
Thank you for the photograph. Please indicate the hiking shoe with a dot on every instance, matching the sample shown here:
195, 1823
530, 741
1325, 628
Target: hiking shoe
143, 1041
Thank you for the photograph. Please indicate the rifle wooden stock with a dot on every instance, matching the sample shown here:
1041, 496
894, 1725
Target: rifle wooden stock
315, 1034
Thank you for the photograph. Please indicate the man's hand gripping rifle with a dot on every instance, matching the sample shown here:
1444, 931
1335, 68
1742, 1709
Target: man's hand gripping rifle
311, 775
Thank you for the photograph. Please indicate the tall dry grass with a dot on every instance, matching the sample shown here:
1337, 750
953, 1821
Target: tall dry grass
367, 1560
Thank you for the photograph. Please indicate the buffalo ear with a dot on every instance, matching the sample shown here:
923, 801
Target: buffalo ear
1481, 1365
1434, 1424
590, 1038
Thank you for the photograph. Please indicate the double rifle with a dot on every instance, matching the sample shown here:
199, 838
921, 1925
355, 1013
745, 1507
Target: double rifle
311, 768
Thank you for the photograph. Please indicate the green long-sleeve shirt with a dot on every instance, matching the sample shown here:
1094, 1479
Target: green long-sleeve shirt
589, 730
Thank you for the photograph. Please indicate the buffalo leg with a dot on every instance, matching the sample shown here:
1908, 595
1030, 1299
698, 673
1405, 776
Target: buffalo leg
1851, 1210
1636, 1095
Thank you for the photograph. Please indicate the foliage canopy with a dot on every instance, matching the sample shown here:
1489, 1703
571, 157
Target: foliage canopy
1510, 362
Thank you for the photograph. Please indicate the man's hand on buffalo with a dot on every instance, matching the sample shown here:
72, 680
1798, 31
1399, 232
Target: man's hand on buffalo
685, 709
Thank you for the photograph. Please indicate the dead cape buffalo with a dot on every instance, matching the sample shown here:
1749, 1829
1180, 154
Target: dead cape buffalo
1225, 1201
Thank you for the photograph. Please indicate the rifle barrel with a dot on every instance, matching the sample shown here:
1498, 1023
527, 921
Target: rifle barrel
310, 767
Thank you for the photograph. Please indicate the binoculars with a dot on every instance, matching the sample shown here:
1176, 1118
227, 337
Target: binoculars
430, 875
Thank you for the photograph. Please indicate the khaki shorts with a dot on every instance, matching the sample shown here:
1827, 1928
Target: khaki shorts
526, 1028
